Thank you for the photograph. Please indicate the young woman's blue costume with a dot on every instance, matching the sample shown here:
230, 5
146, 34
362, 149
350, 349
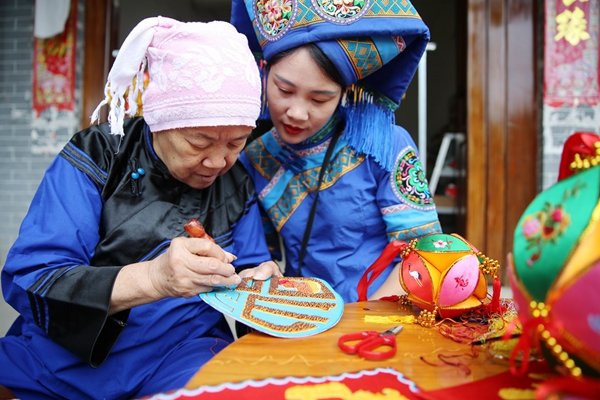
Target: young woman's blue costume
374, 189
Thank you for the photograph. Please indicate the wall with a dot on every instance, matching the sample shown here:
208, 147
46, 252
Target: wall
571, 100
21, 169
130, 13
19, 172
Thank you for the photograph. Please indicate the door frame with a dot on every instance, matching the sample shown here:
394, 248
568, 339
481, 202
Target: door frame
100, 39
503, 126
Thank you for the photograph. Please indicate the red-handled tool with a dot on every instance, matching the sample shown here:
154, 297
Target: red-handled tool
371, 345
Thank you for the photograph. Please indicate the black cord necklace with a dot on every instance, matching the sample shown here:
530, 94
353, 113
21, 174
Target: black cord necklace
313, 207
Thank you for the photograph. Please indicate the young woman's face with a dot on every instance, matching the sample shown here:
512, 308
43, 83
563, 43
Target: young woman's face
300, 96
197, 156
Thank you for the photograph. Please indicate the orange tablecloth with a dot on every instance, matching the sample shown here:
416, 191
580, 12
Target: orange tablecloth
259, 356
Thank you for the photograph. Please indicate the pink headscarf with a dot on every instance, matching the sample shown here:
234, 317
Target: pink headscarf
200, 74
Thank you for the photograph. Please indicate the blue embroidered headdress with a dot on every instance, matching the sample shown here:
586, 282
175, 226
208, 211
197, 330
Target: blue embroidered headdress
376, 46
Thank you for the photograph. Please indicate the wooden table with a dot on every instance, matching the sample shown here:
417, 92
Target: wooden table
258, 356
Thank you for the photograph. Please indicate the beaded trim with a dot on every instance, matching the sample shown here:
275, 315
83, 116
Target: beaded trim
541, 310
579, 163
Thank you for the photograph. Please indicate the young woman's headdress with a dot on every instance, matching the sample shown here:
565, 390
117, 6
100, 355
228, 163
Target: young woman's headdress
376, 45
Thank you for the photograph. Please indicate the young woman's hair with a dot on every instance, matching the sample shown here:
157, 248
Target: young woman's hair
318, 56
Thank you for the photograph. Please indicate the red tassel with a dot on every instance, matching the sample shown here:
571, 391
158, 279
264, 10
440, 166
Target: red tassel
528, 340
494, 306
387, 256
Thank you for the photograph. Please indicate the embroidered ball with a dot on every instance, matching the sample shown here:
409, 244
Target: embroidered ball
444, 274
555, 273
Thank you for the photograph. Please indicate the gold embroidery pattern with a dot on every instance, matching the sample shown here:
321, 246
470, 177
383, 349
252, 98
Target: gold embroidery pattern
306, 287
261, 159
406, 234
363, 55
300, 185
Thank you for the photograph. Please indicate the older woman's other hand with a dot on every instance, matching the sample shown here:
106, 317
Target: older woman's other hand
262, 272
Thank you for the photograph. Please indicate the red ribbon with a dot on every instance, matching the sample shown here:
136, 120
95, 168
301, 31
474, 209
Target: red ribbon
494, 306
387, 256
528, 338
581, 388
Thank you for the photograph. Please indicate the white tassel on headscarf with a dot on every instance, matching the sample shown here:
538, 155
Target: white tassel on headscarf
127, 74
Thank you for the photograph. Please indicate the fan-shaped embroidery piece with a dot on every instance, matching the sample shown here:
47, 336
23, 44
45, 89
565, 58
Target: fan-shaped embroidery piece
282, 307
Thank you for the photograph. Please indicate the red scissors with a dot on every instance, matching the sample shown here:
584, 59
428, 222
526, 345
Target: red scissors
367, 343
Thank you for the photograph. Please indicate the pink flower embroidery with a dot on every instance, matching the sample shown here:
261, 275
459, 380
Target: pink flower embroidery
440, 244
343, 6
286, 7
547, 225
531, 227
273, 11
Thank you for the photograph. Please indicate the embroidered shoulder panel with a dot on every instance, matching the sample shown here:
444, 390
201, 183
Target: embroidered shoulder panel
408, 181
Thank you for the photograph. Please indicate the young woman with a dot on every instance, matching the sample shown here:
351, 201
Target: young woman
336, 177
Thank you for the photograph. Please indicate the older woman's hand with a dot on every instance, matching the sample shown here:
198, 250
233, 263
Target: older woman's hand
191, 266
262, 272
188, 267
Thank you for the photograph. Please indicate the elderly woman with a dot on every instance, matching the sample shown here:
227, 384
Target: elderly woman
102, 274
